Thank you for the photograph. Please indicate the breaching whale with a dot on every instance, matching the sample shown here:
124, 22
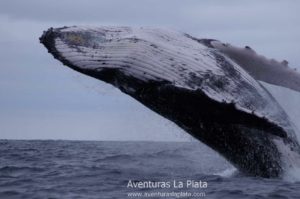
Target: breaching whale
208, 88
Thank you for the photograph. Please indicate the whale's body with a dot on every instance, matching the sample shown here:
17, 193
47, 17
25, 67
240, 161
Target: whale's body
193, 82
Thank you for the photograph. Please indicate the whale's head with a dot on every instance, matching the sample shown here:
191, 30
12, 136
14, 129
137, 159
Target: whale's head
113, 54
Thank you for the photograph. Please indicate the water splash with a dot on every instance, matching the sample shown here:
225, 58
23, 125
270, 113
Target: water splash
229, 172
290, 161
292, 175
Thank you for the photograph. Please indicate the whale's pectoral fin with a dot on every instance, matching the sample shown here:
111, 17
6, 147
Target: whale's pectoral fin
259, 67
287, 78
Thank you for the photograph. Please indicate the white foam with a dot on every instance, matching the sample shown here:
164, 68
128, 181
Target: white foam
229, 172
292, 174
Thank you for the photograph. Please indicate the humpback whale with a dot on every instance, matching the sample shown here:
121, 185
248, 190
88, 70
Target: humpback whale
209, 89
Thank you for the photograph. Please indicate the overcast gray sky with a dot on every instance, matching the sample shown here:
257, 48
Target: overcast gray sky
42, 99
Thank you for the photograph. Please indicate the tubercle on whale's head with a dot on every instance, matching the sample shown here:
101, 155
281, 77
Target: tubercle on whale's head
65, 42
49, 40
96, 52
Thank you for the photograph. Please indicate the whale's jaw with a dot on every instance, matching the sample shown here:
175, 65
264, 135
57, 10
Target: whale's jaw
186, 82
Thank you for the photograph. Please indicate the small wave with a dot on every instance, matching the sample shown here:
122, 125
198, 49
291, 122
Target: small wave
115, 157
18, 169
29, 150
122, 157
166, 154
6, 194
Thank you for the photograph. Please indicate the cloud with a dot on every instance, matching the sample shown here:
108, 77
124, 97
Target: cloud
32, 82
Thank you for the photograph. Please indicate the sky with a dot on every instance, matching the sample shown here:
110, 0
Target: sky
42, 99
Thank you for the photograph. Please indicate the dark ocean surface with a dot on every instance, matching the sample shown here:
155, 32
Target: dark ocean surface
105, 169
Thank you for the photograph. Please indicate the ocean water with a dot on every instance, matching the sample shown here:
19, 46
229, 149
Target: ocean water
108, 169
